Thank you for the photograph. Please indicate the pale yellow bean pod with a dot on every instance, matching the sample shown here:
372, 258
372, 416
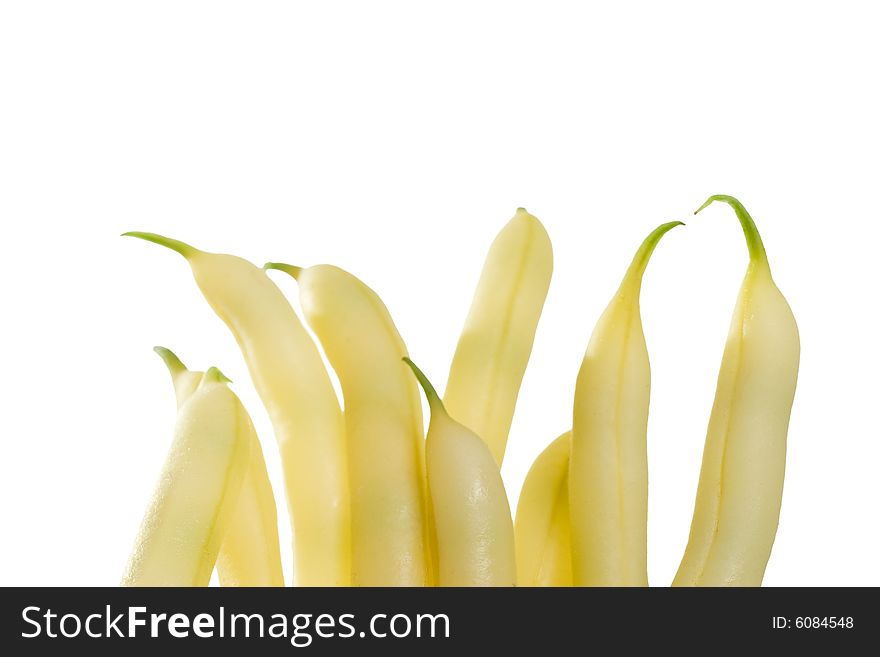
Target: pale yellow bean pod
496, 341
250, 554
471, 514
383, 416
197, 492
542, 527
740, 490
608, 477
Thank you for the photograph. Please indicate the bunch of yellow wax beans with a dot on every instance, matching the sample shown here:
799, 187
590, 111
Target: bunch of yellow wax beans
373, 501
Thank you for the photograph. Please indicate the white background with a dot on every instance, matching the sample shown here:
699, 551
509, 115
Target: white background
395, 140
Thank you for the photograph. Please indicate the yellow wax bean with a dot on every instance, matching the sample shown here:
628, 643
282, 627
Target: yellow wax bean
542, 528
295, 388
475, 543
383, 417
608, 475
250, 553
740, 490
184, 380
198, 490
496, 341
